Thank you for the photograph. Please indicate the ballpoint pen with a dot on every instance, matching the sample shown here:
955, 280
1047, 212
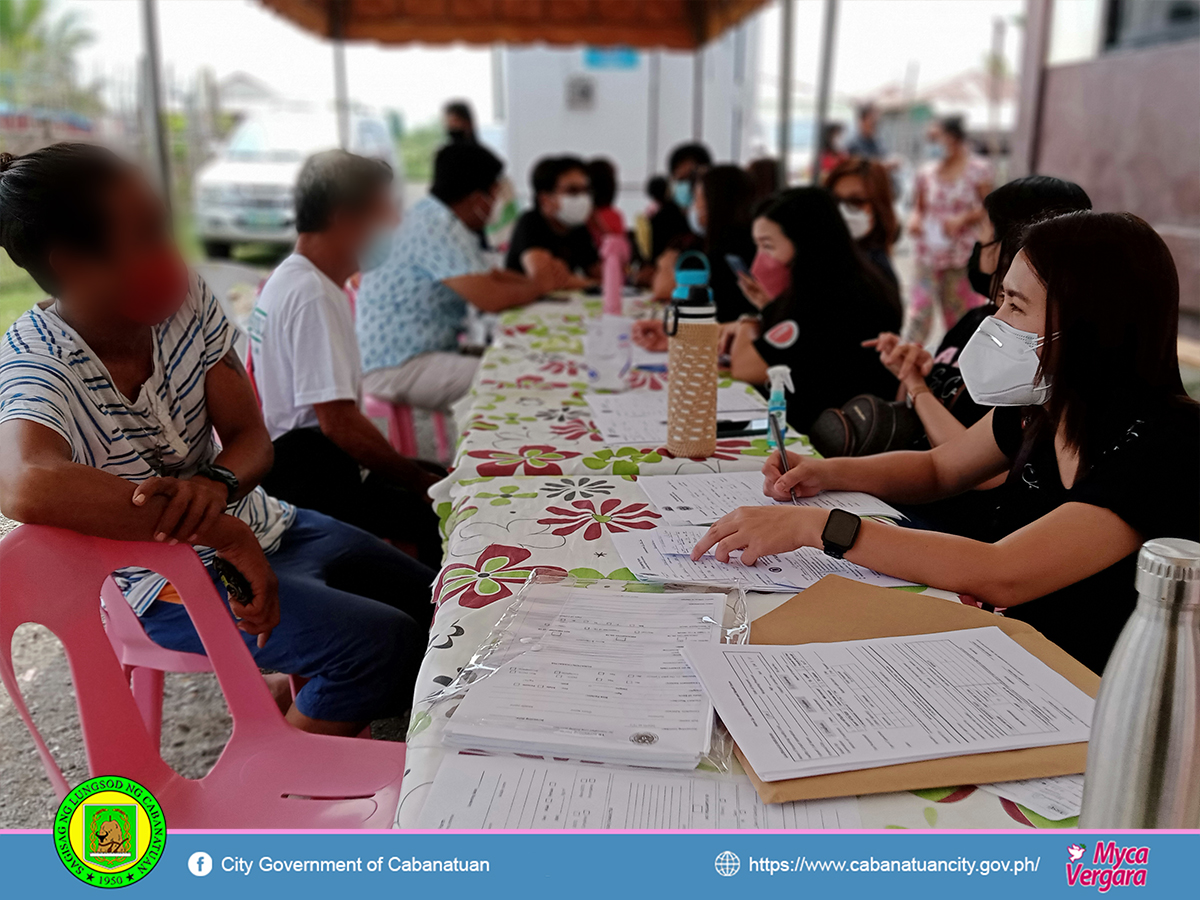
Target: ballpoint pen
777, 434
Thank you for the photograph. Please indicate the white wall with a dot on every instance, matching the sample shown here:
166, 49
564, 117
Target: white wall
619, 125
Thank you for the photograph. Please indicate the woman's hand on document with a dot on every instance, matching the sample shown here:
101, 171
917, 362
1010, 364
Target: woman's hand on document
762, 531
805, 477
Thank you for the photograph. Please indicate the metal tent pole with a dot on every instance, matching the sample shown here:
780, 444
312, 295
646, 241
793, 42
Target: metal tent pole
337, 12
154, 114
824, 78
698, 94
785, 89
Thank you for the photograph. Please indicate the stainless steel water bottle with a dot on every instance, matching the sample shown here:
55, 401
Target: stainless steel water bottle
1143, 765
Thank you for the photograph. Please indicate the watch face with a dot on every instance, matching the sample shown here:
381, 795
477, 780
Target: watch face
841, 528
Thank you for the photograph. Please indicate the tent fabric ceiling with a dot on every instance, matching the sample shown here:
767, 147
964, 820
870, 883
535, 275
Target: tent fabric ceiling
673, 24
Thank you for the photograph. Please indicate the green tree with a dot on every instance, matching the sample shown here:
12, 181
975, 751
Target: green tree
37, 57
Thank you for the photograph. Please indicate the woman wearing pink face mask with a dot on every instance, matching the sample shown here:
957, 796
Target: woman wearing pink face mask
818, 297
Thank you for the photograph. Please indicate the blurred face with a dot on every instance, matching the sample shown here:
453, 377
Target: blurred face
477, 210
772, 242
1023, 299
139, 274
686, 171
571, 184
989, 256
456, 124
357, 227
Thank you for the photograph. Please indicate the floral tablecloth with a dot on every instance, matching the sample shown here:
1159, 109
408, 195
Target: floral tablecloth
534, 488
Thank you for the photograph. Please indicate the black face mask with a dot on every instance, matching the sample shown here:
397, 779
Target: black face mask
981, 282
458, 136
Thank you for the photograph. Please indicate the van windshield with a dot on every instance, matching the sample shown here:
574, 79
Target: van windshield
282, 138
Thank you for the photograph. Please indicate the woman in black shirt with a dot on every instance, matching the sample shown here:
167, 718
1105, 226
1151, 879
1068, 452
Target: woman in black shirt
1101, 443
948, 410
820, 299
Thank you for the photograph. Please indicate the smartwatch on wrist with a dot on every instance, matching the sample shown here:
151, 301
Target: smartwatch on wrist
841, 531
224, 476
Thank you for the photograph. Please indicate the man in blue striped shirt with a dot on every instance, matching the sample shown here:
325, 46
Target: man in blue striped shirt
110, 394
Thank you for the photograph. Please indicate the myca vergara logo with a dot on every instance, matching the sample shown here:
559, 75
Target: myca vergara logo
109, 832
1110, 866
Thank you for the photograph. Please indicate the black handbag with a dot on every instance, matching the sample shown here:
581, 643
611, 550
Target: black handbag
865, 426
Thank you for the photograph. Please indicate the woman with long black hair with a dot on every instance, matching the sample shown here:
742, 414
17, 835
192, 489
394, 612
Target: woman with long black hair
820, 299
1099, 439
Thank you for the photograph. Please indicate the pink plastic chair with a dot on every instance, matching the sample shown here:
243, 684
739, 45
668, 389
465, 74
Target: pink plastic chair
270, 775
142, 660
402, 434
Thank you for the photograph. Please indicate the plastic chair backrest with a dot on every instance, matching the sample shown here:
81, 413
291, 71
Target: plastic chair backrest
37, 587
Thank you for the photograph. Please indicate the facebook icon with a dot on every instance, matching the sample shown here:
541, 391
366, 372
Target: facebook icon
200, 864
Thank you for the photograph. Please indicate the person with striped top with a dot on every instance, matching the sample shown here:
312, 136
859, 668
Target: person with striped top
110, 394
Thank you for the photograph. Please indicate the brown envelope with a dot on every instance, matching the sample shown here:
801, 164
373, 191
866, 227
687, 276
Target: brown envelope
837, 609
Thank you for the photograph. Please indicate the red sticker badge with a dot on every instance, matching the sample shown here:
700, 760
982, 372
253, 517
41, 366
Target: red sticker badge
783, 335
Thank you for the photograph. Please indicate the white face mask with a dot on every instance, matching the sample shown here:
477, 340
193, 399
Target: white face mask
859, 221
573, 209
999, 366
694, 222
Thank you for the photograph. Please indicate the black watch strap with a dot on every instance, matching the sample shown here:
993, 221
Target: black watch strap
225, 476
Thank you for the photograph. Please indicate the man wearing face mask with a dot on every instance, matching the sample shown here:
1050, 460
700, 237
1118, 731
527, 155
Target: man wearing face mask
553, 236
412, 309
309, 372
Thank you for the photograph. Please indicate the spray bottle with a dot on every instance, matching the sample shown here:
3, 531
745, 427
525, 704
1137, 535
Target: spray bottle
780, 378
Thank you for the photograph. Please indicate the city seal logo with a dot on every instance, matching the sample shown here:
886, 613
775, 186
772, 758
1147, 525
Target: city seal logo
109, 832
643, 737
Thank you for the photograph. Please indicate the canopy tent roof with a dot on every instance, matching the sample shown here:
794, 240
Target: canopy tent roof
674, 24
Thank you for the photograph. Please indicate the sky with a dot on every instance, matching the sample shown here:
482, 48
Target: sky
877, 41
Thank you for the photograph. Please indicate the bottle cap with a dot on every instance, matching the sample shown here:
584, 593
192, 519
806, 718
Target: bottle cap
1168, 573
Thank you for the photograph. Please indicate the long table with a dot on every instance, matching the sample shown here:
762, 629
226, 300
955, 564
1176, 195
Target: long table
535, 487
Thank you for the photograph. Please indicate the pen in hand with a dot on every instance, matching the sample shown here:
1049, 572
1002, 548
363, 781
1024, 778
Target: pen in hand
777, 434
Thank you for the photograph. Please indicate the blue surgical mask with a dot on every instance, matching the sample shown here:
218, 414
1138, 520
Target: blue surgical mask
681, 193
376, 250
694, 222
935, 150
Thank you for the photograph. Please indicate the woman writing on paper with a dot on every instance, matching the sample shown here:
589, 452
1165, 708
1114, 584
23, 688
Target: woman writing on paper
1101, 444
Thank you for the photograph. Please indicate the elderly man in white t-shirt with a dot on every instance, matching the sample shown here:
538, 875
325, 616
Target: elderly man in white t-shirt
308, 369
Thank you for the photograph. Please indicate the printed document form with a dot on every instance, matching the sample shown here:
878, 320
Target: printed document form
702, 499
663, 555
603, 681
640, 417
1053, 798
486, 792
812, 709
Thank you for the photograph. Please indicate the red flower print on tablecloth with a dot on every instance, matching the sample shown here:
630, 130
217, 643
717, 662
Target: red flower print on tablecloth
577, 430
524, 382
611, 515
567, 367
533, 459
491, 578
647, 379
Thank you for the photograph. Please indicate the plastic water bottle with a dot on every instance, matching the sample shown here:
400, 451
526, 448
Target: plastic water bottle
1143, 766
693, 335
615, 252
608, 353
780, 379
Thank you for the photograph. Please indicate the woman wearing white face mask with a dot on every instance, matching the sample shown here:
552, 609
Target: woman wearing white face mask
863, 191
554, 235
1101, 443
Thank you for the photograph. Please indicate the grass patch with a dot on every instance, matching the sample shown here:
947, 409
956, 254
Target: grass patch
18, 291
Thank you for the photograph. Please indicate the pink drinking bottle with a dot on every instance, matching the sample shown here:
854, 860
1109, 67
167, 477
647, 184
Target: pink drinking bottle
614, 250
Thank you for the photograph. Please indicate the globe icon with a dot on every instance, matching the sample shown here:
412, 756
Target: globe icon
727, 863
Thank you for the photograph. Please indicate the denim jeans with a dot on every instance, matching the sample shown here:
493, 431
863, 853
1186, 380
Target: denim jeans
354, 618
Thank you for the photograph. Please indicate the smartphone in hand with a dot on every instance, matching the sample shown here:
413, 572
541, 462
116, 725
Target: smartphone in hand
736, 263
235, 582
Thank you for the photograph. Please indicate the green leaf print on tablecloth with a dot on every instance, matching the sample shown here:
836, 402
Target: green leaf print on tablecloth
625, 461
506, 495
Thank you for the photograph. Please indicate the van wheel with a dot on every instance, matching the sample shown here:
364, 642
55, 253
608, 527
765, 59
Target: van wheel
217, 249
